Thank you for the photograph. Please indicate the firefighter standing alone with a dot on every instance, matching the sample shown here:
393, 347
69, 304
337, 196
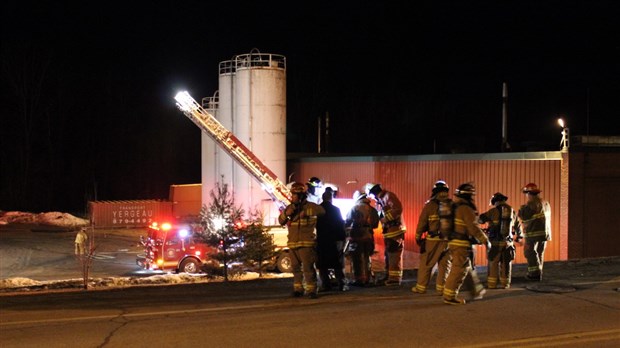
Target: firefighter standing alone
301, 217
535, 219
435, 223
465, 228
80, 242
501, 219
390, 212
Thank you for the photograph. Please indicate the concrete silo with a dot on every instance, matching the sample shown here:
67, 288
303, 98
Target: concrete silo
210, 151
252, 104
217, 165
260, 122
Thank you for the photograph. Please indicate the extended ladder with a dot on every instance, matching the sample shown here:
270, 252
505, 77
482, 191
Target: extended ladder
278, 192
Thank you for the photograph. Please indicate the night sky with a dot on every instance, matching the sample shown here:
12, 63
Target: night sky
86, 94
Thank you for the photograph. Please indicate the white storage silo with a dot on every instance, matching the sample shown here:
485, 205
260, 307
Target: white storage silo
217, 165
260, 122
209, 151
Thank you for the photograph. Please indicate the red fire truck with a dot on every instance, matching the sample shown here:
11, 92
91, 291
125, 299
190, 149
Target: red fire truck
173, 249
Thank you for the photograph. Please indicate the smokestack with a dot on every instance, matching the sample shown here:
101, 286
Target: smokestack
505, 145
319, 136
326, 131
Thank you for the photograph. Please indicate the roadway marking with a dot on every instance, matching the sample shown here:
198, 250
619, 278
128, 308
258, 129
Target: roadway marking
555, 340
164, 313
145, 314
103, 256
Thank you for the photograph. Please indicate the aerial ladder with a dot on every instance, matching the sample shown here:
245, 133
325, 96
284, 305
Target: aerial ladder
270, 183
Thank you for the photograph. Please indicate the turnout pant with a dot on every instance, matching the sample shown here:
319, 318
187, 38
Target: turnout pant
360, 258
461, 272
436, 253
394, 257
500, 265
304, 273
534, 252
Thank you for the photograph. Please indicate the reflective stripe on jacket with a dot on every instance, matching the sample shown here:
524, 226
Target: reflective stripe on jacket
301, 224
535, 217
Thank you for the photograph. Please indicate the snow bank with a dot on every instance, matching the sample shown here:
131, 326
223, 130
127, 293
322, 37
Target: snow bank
14, 284
55, 219
18, 282
60, 220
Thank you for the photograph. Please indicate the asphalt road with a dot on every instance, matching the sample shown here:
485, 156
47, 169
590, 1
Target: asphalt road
261, 314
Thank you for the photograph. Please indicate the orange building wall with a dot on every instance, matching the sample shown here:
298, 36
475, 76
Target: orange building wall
412, 178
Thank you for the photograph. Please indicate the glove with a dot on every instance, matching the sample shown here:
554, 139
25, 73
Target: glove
422, 245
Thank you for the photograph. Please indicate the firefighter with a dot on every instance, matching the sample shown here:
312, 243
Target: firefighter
300, 217
535, 220
390, 214
501, 222
329, 235
80, 242
434, 227
315, 188
466, 231
361, 220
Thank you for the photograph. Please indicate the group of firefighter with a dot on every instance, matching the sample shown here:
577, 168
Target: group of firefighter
446, 232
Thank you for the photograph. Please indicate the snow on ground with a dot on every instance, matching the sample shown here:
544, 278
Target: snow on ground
56, 219
26, 284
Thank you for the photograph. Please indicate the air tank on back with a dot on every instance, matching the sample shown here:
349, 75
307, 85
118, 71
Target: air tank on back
260, 123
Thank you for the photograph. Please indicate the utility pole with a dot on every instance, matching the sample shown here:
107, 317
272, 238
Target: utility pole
505, 145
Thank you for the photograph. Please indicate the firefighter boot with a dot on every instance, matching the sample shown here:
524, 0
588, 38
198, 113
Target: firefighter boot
419, 289
454, 301
312, 295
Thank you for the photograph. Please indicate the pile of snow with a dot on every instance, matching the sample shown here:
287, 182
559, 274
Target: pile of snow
55, 219
18, 282
60, 220
12, 284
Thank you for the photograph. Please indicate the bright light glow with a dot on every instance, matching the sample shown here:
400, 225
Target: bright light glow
561, 122
185, 102
166, 226
344, 204
197, 252
183, 233
160, 262
218, 223
154, 224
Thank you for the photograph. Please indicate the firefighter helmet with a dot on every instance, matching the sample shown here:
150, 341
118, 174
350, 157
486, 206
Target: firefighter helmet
531, 188
314, 181
312, 184
372, 189
298, 188
465, 191
358, 196
440, 186
498, 197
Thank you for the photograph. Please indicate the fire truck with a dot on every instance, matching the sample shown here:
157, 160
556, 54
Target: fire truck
172, 248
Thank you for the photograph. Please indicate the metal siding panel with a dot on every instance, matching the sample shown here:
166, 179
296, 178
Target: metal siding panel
412, 182
128, 214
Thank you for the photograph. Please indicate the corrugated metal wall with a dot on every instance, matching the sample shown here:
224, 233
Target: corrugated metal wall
412, 178
186, 200
128, 214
